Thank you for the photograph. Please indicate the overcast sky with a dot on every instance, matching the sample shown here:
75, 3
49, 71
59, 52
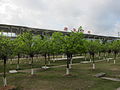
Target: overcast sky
99, 16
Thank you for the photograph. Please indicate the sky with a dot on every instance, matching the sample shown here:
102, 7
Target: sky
101, 17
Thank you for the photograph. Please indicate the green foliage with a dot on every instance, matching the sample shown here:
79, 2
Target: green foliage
73, 43
57, 41
93, 46
19, 46
30, 43
106, 47
46, 45
5, 47
115, 45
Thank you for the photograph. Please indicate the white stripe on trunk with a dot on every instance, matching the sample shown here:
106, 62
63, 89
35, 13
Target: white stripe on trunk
32, 71
114, 61
17, 66
5, 81
93, 66
67, 71
90, 60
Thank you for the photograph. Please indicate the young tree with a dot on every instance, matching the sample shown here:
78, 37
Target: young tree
30, 43
85, 50
93, 47
72, 44
19, 48
57, 40
115, 48
46, 48
108, 50
5, 52
99, 49
104, 48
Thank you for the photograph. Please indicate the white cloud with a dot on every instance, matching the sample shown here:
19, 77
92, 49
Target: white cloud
100, 16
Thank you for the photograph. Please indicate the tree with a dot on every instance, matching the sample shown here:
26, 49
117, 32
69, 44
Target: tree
46, 48
5, 53
72, 44
57, 40
19, 47
85, 48
106, 49
30, 43
115, 48
93, 47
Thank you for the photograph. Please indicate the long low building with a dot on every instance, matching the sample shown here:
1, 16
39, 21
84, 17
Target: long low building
16, 30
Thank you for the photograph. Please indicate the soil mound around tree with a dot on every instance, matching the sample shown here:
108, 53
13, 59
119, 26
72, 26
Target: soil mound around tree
8, 88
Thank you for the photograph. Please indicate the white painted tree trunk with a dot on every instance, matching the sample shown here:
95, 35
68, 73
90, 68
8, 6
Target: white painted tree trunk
99, 57
63, 56
90, 60
32, 71
105, 56
48, 62
67, 71
54, 59
45, 67
93, 66
5, 81
70, 65
85, 58
10, 62
71, 61
114, 61
17, 66
29, 62
108, 59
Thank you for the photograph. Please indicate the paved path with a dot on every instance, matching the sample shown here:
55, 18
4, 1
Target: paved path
112, 79
66, 58
118, 88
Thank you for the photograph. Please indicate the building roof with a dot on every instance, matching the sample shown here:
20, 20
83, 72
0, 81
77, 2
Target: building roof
18, 29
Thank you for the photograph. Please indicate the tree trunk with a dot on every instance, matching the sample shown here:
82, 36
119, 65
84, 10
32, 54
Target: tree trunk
105, 55
108, 60
45, 61
115, 58
4, 76
11, 61
108, 57
93, 66
70, 65
93, 61
99, 55
68, 62
53, 57
37, 57
90, 59
32, 70
18, 61
48, 59
85, 57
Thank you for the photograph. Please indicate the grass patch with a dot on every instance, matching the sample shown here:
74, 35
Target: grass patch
53, 79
